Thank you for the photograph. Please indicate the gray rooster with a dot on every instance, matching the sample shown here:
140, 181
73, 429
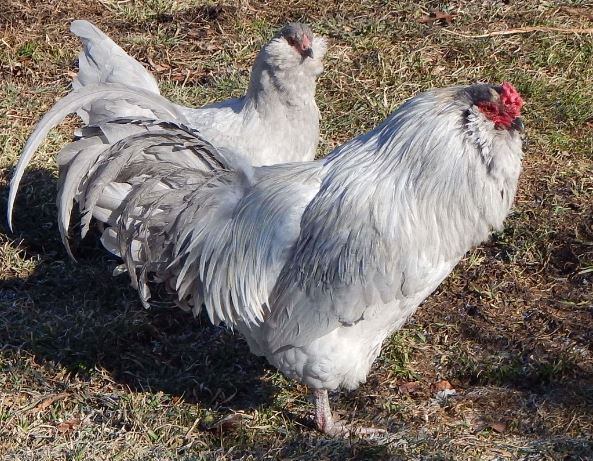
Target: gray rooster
315, 263
276, 121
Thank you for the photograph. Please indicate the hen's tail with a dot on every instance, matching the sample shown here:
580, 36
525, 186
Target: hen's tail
101, 60
158, 106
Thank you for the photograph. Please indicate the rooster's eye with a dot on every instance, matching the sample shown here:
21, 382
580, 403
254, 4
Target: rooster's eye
291, 41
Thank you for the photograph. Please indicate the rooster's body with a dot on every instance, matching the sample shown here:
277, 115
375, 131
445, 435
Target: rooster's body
317, 263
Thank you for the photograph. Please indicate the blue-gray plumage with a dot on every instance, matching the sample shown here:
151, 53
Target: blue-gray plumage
315, 263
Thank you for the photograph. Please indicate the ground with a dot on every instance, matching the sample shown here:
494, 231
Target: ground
87, 373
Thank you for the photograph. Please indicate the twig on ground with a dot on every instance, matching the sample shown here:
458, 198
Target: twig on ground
523, 30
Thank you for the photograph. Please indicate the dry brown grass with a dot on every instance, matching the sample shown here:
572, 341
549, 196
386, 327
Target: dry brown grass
86, 373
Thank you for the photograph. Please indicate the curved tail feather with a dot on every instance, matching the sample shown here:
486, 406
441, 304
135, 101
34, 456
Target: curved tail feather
71, 103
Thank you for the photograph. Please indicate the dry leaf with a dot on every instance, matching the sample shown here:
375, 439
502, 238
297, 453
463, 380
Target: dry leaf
181, 77
228, 423
440, 386
158, 67
498, 426
437, 16
161, 67
479, 425
68, 426
409, 388
48, 401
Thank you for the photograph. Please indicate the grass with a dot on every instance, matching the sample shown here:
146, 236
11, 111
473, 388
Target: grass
86, 373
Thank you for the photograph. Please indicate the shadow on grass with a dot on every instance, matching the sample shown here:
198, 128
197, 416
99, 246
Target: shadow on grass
78, 315
536, 337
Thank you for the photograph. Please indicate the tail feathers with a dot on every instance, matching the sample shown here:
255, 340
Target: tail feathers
101, 60
161, 108
176, 228
101, 111
102, 168
77, 160
71, 176
109, 205
164, 196
165, 225
163, 149
111, 244
99, 175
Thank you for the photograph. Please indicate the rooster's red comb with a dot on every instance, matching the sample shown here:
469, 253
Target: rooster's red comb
511, 99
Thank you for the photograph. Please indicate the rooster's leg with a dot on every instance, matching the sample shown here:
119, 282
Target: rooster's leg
325, 422
323, 413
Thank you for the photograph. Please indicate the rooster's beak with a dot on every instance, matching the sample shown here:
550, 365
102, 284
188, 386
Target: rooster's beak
518, 125
307, 52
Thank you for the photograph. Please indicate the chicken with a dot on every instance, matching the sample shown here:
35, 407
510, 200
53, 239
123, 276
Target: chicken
314, 263
276, 121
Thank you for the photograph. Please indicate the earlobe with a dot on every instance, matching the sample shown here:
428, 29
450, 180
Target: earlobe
495, 113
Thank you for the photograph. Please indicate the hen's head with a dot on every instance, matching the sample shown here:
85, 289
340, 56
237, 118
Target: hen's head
295, 46
299, 37
499, 104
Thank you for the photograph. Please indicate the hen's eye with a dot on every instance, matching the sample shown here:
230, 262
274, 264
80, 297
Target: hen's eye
291, 41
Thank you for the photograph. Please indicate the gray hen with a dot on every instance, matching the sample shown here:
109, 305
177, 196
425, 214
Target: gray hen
315, 263
276, 121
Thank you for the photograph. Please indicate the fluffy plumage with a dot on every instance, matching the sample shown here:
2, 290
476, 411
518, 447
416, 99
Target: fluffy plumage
315, 263
276, 121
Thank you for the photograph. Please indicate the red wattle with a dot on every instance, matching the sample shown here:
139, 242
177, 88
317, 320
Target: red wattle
496, 114
509, 108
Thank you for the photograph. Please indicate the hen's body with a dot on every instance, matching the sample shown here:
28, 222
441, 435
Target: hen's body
253, 126
276, 121
314, 263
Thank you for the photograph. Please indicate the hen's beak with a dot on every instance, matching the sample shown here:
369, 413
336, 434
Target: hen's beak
305, 47
518, 125
307, 52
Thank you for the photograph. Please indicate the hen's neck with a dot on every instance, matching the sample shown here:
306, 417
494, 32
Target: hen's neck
291, 88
